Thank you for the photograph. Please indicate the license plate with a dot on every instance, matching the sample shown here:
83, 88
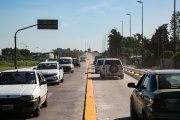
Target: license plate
7, 107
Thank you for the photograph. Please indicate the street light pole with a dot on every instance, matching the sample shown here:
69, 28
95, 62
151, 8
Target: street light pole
174, 26
129, 22
122, 27
142, 35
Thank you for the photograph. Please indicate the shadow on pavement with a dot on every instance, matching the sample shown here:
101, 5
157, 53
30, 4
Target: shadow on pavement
15, 117
125, 118
106, 78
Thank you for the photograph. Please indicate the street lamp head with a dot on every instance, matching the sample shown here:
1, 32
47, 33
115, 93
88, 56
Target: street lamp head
128, 14
140, 1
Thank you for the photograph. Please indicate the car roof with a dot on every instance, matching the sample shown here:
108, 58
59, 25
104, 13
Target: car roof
167, 71
65, 58
49, 62
21, 70
101, 58
111, 59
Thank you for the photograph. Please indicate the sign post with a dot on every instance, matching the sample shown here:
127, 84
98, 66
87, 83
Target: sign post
41, 24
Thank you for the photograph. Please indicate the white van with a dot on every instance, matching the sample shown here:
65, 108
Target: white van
67, 64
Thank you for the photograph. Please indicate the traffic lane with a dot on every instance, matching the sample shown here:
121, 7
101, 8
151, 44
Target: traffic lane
112, 97
65, 101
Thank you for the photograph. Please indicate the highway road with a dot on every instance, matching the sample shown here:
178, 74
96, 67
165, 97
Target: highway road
67, 100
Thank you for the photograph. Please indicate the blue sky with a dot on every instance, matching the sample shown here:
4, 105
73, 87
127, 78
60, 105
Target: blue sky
81, 23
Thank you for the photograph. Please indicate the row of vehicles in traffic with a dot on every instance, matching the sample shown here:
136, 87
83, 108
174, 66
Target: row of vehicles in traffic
25, 90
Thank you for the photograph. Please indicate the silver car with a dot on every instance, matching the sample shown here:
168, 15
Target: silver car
98, 65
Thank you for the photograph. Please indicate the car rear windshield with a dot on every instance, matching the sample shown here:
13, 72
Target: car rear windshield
64, 61
9, 78
169, 81
42, 66
112, 62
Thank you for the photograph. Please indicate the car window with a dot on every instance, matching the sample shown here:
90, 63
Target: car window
17, 78
100, 62
40, 78
169, 81
47, 66
112, 62
145, 82
65, 61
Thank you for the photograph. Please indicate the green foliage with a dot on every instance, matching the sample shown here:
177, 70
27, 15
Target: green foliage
155, 68
75, 53
176, 56
167, 54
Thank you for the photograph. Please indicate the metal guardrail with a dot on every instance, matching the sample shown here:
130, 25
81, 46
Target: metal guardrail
136, 71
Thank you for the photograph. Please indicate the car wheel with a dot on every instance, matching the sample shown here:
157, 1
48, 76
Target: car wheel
36, 113
62, 80
45, 104
101, 75
144, 115
133, 114
72, 71
122, 76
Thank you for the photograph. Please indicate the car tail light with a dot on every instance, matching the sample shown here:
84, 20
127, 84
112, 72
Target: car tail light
122, 67
158, 101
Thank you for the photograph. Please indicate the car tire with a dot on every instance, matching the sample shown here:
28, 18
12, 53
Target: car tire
102, 76
144, 115
62, 80
45, 104
133, 114
36, 113
58, 83
122, 76
72, 71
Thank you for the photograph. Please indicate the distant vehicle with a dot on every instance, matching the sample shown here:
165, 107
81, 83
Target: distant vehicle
67, 64
52, 71
76, 62
98, 65
83, 59
156, 96
98, 57
112, 67
22, 91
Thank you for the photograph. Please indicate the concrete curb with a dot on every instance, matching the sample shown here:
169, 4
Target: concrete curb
132, 74
90, 111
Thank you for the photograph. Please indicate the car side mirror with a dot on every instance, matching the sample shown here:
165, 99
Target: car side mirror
60, 67
131, 85
34, 68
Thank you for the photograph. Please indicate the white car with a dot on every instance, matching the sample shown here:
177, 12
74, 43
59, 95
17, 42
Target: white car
112, 67
52, 71
22, 91
67, 64
98, 64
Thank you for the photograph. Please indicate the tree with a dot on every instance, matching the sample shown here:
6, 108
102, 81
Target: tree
177, 37
115, 43
55, 53
160, 41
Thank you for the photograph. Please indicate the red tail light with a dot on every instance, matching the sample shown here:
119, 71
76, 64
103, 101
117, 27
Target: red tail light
159, 101
122, 67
